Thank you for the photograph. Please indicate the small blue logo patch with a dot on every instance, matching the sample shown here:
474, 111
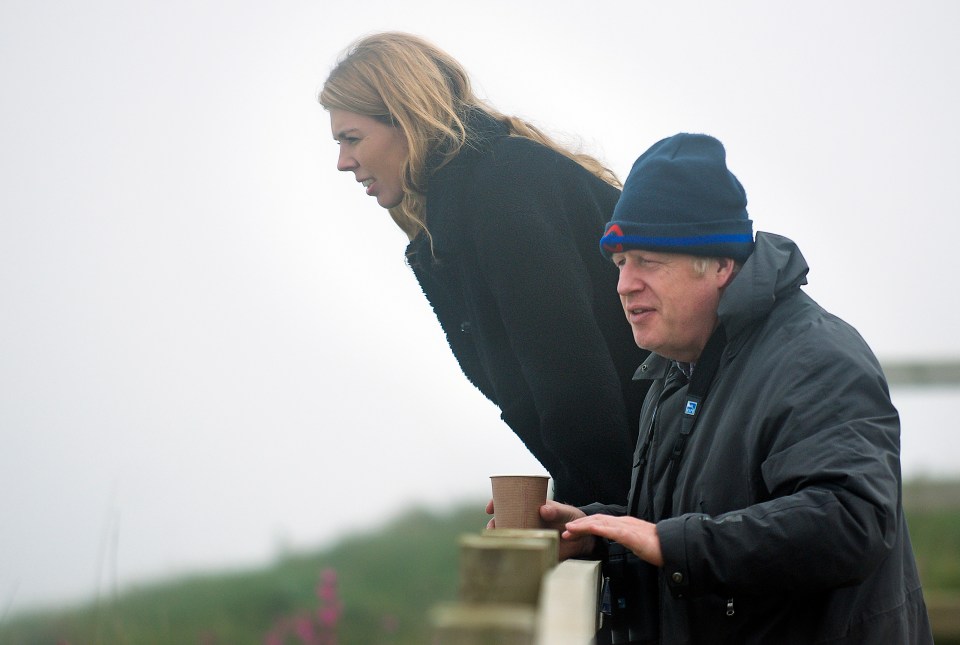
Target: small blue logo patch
691, 408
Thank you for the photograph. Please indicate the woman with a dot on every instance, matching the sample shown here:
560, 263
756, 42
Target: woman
503, 227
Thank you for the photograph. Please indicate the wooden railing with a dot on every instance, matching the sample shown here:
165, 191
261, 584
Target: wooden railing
514, 592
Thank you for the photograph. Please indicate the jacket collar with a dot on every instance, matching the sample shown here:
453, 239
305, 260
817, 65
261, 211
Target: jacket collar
654, 367
775, 270
481, 130
447, 209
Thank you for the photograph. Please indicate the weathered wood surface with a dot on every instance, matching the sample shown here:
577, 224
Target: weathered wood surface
514, 592
568, 604
483, 624
504, 569
548, 534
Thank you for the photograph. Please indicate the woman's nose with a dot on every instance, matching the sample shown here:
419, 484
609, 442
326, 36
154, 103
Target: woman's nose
345, 162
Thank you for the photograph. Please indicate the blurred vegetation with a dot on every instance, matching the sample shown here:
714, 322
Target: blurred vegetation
933, 515
387, 580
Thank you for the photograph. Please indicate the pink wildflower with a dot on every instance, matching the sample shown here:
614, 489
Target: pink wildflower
303, 626
327, 588
329, 616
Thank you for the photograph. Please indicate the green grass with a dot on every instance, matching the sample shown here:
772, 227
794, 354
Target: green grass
933, 516
936, 544
387, 580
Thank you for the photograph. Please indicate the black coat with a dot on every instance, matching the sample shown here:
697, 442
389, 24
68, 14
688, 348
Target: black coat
529, 304
786, 524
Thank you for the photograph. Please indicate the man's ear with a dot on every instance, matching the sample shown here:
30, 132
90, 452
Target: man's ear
726, 270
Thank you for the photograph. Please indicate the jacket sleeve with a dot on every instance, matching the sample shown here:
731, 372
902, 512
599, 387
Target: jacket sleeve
831, 473
524, 232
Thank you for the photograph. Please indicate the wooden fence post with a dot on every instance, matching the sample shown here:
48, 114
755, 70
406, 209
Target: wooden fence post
568, 612
483, 624
513, 592
504, 569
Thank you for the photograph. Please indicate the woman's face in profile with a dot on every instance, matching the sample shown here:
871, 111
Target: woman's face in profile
373, 151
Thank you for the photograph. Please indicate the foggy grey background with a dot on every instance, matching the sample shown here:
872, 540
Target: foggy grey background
211, 350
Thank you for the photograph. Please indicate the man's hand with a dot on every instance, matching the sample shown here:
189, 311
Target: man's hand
556, 516
491, 524
637, 535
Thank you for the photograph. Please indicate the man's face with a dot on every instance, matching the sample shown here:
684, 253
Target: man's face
671, 307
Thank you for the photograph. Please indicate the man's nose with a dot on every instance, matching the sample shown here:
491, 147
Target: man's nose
628, 281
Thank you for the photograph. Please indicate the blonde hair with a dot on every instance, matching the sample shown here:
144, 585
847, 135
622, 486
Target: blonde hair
404, 81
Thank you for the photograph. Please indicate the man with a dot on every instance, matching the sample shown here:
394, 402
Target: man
765, 504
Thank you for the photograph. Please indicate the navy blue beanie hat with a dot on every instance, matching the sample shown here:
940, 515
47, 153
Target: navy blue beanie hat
680, 198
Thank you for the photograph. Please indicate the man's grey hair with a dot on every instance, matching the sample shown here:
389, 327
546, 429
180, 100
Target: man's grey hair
700, 264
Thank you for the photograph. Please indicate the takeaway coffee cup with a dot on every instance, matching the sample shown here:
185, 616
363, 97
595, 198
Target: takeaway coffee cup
517, 500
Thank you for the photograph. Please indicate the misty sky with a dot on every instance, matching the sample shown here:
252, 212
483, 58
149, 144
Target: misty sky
210, 347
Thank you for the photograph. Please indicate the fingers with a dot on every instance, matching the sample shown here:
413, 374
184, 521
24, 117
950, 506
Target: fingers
491, 524
558, 516
555, 514
637, 535
606, 526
